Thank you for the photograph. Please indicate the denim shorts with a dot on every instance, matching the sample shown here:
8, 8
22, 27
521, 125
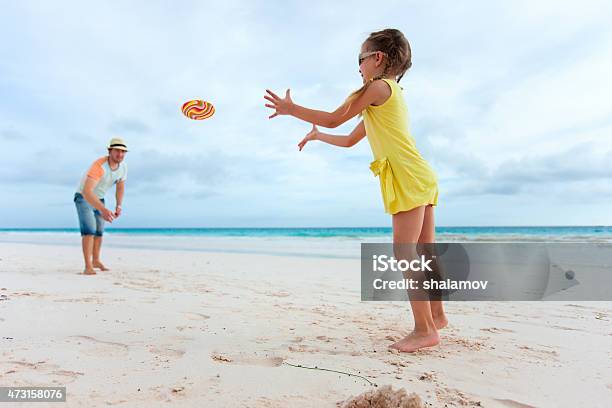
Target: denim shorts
90, 219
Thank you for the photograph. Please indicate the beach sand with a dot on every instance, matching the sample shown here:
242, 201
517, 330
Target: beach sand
222, 329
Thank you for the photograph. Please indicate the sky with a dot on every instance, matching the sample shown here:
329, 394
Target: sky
509, 101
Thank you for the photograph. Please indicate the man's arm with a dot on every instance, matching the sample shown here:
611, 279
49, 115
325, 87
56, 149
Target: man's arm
89, 195
95, 202
119, 190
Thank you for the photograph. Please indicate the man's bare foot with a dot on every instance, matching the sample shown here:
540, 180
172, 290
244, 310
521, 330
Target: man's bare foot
415, 341
89, 271
440, 321
100, 265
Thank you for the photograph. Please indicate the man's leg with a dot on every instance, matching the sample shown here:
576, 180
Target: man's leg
87, 224
88, 244
97, 245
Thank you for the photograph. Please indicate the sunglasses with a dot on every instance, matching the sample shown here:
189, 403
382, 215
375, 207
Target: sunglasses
365, 55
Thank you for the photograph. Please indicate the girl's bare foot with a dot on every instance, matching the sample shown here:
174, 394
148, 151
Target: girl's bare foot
89, 271
440, 321
100, 265
415, 341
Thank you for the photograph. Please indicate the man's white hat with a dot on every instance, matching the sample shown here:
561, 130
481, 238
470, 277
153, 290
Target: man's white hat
117, 143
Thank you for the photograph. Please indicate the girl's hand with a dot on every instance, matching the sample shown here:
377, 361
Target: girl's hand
281, 106
312, 135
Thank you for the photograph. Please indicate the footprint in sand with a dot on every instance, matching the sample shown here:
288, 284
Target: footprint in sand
393, 337
497, 330
166, 351
196, 316
512, 404
541, 352
67, 374
474, 345
141, 284
245, 359
567, 328
428, 376
397, 363
185, 327
202, 288
97, 300
278, 294
304, 348
579, 306
30, 294
453, 397
151, 299
96, 347
31, 372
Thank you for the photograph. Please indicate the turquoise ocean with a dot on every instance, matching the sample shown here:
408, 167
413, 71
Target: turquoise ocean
597, 233
310, 242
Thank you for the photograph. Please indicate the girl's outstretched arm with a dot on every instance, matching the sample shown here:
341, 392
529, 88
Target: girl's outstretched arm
377, 93
343, 141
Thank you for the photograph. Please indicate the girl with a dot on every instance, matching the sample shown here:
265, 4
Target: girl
409, 186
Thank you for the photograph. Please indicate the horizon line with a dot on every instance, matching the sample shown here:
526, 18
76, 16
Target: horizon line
304, 227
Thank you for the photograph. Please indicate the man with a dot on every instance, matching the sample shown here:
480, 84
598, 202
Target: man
89, 201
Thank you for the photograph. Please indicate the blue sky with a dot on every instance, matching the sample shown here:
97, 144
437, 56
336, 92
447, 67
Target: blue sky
509, 101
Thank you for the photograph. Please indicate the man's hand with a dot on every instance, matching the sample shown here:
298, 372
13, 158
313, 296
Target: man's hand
108, 215
117, 211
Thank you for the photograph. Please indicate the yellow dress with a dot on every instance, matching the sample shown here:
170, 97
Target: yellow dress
406, 179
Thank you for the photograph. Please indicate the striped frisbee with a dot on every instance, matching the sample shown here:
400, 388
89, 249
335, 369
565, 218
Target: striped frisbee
198, 109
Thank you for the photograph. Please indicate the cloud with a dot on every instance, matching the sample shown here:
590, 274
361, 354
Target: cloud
11, 134
126, 125
579, 169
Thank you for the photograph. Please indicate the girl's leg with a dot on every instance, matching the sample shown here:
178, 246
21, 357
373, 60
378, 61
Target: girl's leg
428, 235
407, 227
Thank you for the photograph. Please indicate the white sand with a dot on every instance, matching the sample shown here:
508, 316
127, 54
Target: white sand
214, 329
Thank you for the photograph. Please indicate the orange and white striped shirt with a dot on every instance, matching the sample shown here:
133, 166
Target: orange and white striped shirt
104, 175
